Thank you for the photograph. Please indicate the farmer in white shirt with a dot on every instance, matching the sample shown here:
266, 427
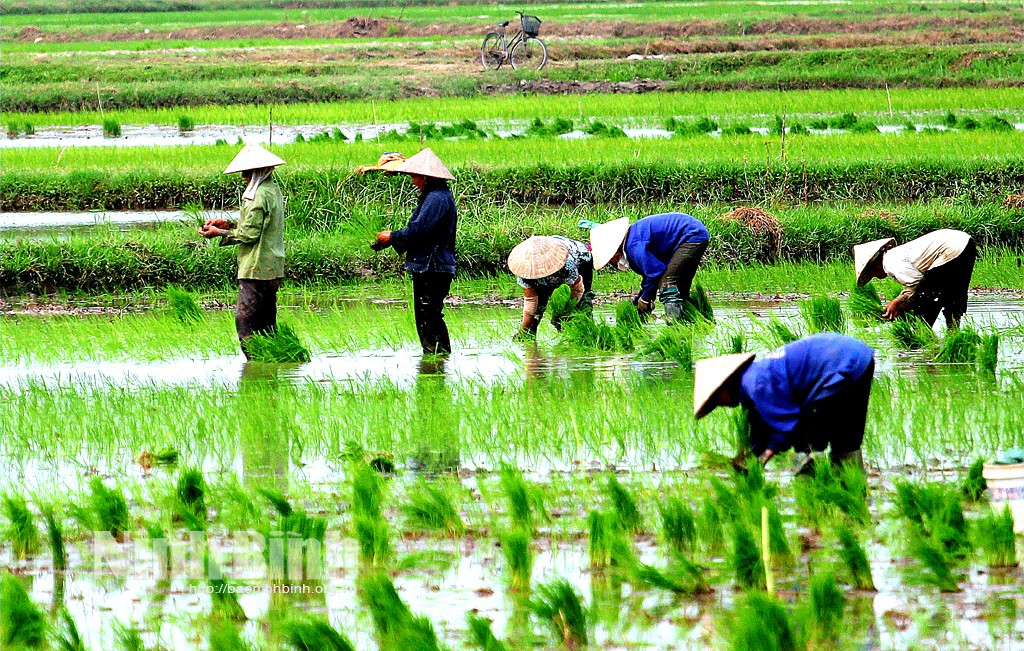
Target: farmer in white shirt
935, 271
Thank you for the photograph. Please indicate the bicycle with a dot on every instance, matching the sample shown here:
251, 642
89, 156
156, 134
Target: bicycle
525, 50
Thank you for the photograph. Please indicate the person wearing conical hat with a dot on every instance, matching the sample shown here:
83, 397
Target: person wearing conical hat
542, 264
935, 271
809, 395
388, 162
428, 243
259, 236
665, 249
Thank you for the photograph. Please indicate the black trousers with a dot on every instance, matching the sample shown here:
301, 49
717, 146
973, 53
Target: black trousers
836, 422
429, 290
586, 270
945, 288
256, 312
682, 267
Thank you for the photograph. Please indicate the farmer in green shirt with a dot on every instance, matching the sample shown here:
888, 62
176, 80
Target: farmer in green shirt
259, 235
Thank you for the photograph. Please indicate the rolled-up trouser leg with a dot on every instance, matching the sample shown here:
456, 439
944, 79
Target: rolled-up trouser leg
429, 290
838, 422
682, 267
256, 311
945, 288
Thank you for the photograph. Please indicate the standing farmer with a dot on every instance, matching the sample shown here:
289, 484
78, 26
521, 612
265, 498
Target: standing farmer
935, 271
259, 235
665, 249
542, 265
808, 395
429, 244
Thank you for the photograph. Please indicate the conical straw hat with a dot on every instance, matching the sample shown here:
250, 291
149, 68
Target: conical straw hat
426, 163
710, 375
537, 257
388, 162
864, 255
253, 157
605, 240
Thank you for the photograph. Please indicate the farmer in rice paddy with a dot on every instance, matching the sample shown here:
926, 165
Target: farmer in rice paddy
428, 243
935, 271
259, 235
542, 265
808, 395
665, 249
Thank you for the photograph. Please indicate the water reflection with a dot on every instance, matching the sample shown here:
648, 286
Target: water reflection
264, 426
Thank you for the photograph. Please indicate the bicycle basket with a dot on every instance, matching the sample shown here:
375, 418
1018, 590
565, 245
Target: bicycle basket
531, 25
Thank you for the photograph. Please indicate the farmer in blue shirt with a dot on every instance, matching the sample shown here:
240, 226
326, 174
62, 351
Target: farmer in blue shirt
428, 243
665, 249
808, 395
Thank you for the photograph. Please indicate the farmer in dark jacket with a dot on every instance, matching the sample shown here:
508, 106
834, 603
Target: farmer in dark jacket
665, 249
808, 395
428, 243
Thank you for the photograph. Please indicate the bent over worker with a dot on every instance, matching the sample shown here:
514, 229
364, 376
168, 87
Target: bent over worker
259, 235
428, 243
665, 249
542, 264
809, 395
935, 271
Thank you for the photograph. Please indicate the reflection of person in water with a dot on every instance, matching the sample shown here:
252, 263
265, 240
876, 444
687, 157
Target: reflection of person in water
263, 428
434, 429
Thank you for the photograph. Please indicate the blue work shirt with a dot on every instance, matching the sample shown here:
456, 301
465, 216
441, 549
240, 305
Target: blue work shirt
429, 239
776, 388
651, 242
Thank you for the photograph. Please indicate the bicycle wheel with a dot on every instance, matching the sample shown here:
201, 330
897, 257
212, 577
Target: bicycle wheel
492, 52
529, 54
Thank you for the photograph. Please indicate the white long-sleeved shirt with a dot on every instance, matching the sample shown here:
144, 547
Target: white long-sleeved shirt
907, 263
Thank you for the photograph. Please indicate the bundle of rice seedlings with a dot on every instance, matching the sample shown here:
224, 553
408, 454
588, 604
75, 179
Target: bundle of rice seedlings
729, 504
481, 635
762, 623
282, 345
430, 508
988, 354
396, 627
628, 325
55, 532
864, 304
747, 566
974, 486
935, 564
916, 502
191, 492
682, 576
223, 599
678, 524
374, 540
781, 553
959, 347
709, 527
111, 128
823, 610
561, 305
185, 124
740, 418
830, 490
128, 638
856, 561
606, 537
278, 501
68, 637
22, 625
314, 633
763, 226
523, 498
697, 306
517, 547
166, 457
672, 343
911, 333
781, 333
109, 509
560, 608
22, 531
996, 538
225, 636
823, 314
367, 491
938, 513
183, 306
581, 330
950, 527
624, 505
736, 345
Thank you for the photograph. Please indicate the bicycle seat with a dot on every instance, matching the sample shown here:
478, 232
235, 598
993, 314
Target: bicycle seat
504, 24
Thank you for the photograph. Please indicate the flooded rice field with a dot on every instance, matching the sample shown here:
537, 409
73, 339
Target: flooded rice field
16, 224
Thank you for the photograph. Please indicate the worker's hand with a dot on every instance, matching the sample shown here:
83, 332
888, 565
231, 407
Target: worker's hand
211, 231
524, 335
894, 309
644, 307
739, 463
222, 224
766, 456
382, 242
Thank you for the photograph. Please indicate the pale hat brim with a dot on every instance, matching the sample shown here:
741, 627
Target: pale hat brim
605, 240
389, 162
711, 375
426, 163
864, 255
537, 257
253, 157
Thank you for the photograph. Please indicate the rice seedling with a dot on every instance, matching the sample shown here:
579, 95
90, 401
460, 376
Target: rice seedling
777, 542
856, 561
430, 508
22, 624
624, 505
22, 531
111, 128
517, 548
128, 638
109, 509
224, 599
606, 538
166, 457
761, 622
935, 566
191, 492
367, 491
730, 506
678, 524
938, 512
374, 540
959, 347
583, 331
832, 490
560, 305
974, 484
745, 560
314, 633
282, 345
55, 532
68, 637
185, 124
781, 333
823, 611
995, 536
823, 314
988, 354
278, 501
673, 343
698, 306
709, 527
481, 635
183, 306
628, 325
682, 576
523, 499
396, 627
916, 502
911, 333
864, 304
559, 607
224, 635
